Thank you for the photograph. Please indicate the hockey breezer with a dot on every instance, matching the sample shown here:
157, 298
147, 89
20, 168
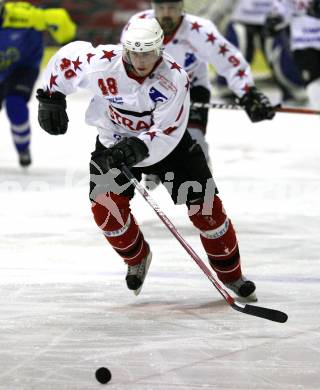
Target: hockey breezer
257, 311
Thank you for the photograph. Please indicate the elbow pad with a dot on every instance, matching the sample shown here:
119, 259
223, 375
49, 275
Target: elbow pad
59, 24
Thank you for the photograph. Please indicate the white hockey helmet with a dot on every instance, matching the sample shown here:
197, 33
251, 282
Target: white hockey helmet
143, 35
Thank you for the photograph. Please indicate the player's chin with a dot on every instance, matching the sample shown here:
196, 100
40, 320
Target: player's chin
142, 72
168, 26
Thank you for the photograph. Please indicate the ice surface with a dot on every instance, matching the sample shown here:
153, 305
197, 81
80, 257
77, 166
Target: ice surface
65, 309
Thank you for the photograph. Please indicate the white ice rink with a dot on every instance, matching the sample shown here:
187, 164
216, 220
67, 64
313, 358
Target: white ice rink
64, 306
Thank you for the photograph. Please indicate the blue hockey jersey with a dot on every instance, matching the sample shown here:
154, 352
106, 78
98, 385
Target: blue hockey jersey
19, 48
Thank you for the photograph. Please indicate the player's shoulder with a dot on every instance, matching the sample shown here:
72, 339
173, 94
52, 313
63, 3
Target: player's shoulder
197, 24
107, 51
17, 12
93, 57
75, 47
10, 5
172, 69
101, 55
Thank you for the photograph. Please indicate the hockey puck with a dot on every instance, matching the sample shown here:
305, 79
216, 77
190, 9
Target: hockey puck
103, 375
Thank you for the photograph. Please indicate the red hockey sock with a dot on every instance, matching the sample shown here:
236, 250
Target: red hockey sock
112, 214
219, 240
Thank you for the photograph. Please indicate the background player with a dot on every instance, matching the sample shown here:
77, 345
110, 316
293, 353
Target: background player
304, 20
246, 30
21, 51
195, 42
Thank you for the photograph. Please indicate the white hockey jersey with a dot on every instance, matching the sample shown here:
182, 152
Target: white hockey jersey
156, 109
251, 11
305, 30
197, 43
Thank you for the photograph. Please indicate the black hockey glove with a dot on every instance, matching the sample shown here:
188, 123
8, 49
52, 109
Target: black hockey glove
257, 105
314, 9
129, 151
52, 115
273, 24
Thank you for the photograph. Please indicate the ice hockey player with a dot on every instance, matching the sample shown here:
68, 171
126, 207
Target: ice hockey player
21, 50
304, 20
140, 107
246, 30
195, 42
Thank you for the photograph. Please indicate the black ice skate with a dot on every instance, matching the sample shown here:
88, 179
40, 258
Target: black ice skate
25, 158
136, 274
244, 288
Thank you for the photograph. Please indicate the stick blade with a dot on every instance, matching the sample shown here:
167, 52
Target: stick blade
262, 312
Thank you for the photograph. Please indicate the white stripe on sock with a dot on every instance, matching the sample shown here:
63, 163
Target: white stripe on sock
218, 232
116, 233
20, 128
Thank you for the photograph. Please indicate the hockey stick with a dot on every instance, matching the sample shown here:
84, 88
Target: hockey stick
230, 106
269, 314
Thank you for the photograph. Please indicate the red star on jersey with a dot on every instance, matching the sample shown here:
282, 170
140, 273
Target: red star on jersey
241, 73
174, 65
53, 80
195, 26
89, 56
143, 16
108, 55
223, 49
246, 88
76, 64
211, 38
152, 134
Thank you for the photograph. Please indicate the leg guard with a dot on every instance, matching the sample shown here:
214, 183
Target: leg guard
18, 115
112, 214
284, 69
198, 116
219, 240
198, 136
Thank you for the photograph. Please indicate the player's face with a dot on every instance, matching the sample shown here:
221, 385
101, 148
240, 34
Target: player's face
143, 63
168, 15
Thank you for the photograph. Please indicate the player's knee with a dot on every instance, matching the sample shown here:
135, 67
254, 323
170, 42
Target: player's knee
110, 211
207, 214
17, 109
